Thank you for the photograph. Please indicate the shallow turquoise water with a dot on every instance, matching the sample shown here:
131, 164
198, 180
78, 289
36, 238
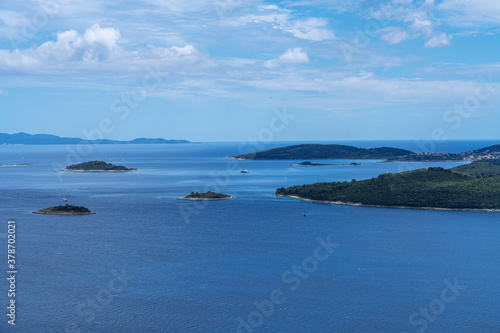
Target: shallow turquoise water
147, 262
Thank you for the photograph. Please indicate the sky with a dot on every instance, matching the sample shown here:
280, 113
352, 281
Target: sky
238, 70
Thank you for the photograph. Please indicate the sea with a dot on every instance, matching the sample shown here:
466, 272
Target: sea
147, 262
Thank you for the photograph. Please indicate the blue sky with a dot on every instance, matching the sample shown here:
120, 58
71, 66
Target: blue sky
220, 70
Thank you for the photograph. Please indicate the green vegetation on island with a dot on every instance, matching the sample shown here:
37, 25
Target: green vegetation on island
65, 210
482, 168
333, 151
321, 152
97, 166
209, 195
475, 186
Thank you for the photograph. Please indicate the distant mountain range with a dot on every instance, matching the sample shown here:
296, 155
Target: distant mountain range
47, 139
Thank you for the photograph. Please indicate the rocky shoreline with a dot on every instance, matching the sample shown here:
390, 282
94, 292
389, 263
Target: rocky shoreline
61, 213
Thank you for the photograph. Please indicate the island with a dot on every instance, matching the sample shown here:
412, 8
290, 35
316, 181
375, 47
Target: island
308, 163
97, 166
65, 210
322, 152
206, 196
388, 154
474, 186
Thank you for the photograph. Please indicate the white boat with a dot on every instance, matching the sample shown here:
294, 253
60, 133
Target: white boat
64, 199
244, 171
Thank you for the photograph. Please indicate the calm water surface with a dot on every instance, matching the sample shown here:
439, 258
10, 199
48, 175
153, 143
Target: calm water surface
147, 262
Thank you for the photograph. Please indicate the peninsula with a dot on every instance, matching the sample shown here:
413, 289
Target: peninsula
97, 166
65, 210
475, 186
206, 196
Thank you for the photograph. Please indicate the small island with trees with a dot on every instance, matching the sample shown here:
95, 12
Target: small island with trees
474, 186
209, 195
65, 210
97, 166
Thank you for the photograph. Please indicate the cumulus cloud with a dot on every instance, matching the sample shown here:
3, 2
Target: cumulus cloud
96, 48
96, 44
291, 56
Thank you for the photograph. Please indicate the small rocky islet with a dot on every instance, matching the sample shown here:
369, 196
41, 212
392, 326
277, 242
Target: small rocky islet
65, 210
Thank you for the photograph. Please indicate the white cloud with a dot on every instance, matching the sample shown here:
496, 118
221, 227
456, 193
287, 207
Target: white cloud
97, 48
409, 21
12, 18
272, 7
291, 56
313, 28
96, 44
394, 35
176, 51
344, 92
439, 41
471, 13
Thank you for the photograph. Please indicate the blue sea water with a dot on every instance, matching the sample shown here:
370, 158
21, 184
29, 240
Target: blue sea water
147, 262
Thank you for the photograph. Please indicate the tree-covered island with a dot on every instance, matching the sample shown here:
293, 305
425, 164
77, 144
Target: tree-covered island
65, 210
334, 151
475, 186
322, 152
97, 166
209, 195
